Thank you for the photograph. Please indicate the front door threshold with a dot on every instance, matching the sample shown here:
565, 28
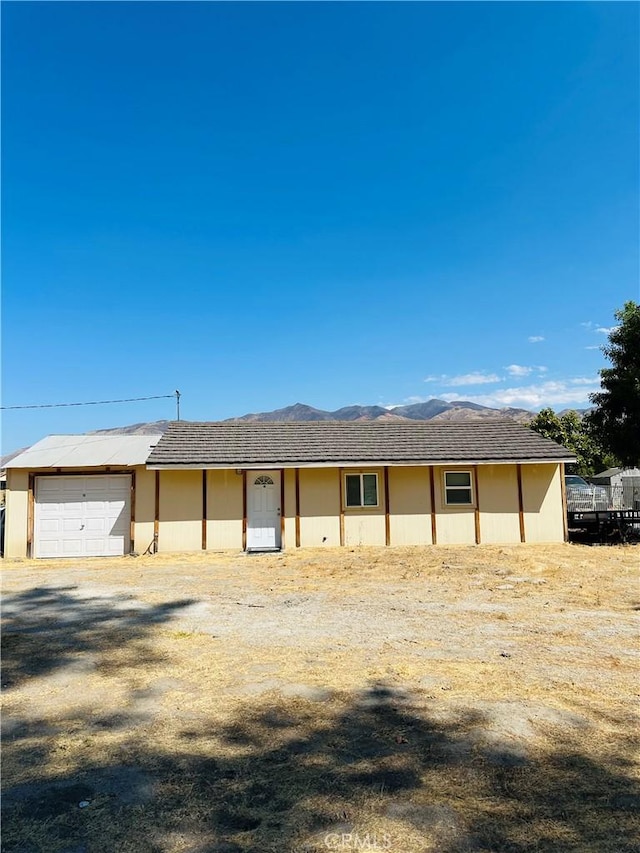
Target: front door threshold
273, 550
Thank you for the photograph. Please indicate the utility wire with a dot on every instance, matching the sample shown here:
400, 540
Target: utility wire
91, 402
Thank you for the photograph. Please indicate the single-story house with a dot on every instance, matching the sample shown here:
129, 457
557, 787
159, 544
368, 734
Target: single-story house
263, 486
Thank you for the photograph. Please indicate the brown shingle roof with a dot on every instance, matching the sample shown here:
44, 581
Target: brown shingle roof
202, 445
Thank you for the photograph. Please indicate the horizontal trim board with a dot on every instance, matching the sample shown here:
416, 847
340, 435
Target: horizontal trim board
363, 463
79, 472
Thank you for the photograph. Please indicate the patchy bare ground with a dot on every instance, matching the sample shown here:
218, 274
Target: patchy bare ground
440, 699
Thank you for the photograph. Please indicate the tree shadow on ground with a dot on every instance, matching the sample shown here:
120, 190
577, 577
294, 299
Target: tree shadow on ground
295, 777
50, 628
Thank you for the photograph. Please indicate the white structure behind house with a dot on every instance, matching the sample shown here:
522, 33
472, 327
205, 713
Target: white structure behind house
623, 484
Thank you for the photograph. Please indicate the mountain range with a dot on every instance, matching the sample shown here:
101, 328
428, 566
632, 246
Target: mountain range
458, 410
431, 410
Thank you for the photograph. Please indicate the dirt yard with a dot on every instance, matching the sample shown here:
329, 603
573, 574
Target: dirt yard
401, 699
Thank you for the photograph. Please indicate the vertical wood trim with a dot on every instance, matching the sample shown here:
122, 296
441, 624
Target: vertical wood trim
523, 537
244, 510
156, 514
282, 507
30, 515
432, 494
204, 509
297, 507
565, 516
476, 512
387, 517
341, 477
132, 521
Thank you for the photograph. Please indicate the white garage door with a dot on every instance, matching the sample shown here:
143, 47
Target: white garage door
82, 516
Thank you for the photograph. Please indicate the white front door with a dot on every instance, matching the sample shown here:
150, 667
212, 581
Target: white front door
263, 510
82, 516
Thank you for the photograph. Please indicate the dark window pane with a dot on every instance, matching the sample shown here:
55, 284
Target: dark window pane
458, 478
458, 496
353, 490
370, 489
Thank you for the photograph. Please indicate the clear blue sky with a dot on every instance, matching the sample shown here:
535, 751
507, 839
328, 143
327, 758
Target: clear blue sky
263, 203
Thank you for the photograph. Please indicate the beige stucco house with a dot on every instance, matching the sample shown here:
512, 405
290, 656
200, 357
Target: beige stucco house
265, 486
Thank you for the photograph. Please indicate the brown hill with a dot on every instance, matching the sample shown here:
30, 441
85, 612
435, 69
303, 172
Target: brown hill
459, 413
457, 410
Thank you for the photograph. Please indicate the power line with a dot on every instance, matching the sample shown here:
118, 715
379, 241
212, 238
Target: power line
93, 402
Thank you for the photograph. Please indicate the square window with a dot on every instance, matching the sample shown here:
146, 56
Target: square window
361, 490
457, 488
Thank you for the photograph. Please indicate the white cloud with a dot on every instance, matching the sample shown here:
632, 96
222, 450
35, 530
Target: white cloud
535, 339
474, 378
597, 329
525, 370
518, 370
557, 393
408, 401
584, 380
596, 346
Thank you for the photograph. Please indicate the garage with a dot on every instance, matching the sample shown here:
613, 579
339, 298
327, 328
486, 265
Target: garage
82, 496
82, 516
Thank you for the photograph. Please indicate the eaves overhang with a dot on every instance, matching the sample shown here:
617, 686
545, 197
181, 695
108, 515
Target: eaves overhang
251, 465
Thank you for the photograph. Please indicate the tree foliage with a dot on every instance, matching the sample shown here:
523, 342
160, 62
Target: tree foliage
574, 433
615, 421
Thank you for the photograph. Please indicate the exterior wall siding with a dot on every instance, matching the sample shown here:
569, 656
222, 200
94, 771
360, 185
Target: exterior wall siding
454, 525
144, 510
224, 510
17, 513
365, 525
289, 508
180, 511
410, 506
499, 507
319, 507
364, 528
542, 503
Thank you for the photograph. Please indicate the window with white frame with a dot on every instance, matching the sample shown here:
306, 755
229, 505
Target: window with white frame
457, 488
361, 489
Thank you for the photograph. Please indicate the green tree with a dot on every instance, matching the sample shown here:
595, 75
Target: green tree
615, 421
573, 433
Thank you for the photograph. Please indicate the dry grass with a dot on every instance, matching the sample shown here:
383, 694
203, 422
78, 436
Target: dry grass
444, 699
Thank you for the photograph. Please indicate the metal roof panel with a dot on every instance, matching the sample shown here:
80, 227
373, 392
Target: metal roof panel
86, 451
